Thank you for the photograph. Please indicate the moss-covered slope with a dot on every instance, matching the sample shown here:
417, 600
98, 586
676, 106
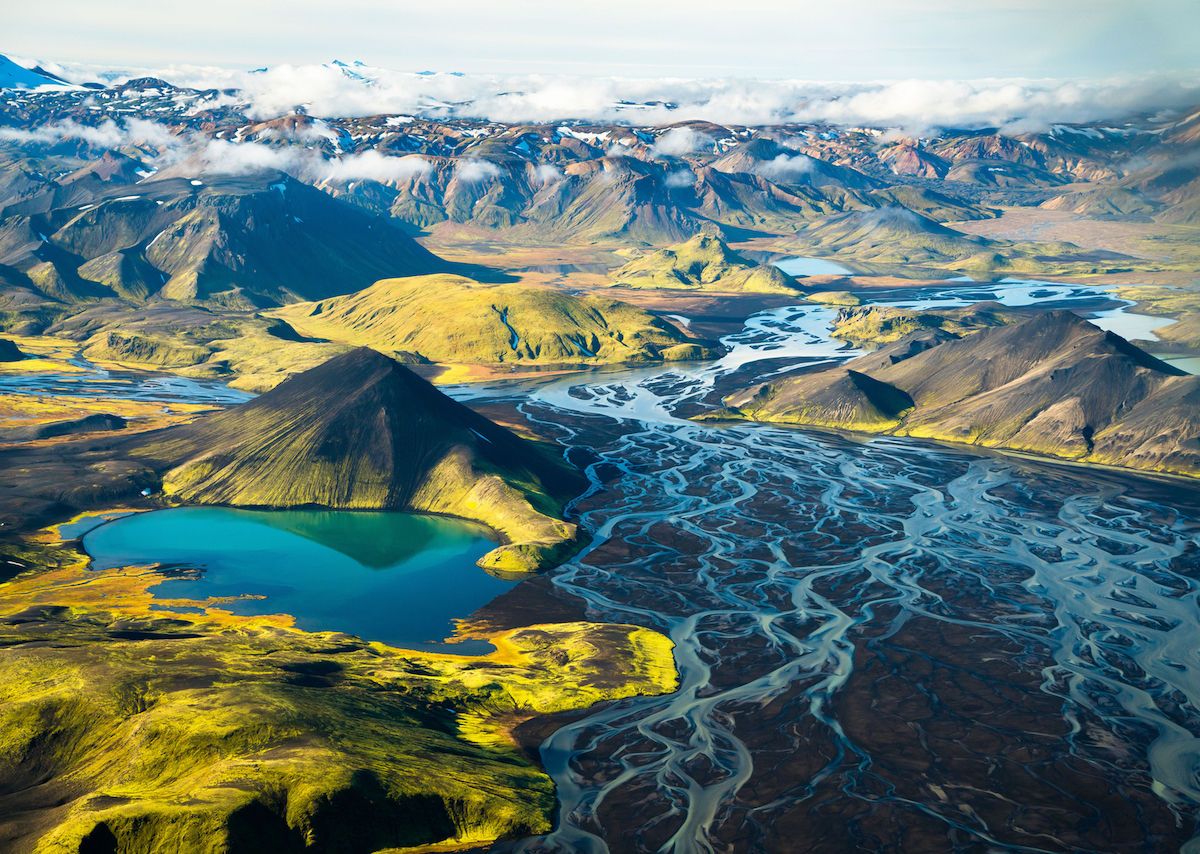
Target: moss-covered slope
702, 263
134, 723
1053, 384
363, 432
452, 319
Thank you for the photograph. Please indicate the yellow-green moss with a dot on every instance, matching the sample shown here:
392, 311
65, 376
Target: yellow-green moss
150, 726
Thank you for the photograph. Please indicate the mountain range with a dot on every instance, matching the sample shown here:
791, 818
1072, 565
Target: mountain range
243, 242
581, 182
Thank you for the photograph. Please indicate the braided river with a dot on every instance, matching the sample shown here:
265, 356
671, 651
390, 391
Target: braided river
882, 644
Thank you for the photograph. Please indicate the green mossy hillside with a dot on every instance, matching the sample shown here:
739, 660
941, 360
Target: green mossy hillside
456, 320
1180, 303
135, 724
896, 237
703, 263
244, 349
875, 325
159, 351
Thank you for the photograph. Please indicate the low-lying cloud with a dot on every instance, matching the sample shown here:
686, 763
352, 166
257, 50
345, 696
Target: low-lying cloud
679, 141
199, 155
547, 173
786, 166
914, 105
107, 134
680, 178
218, 157
473, 171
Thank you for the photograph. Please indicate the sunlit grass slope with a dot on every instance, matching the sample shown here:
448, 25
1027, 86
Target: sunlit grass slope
135, 724
453, 319
703, 263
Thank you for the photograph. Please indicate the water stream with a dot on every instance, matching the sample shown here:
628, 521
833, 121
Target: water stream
881, 644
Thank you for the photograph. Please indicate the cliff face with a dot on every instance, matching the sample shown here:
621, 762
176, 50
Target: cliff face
1054, 384
363, 432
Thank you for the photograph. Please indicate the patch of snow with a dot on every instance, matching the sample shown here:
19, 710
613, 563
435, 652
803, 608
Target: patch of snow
1090, 133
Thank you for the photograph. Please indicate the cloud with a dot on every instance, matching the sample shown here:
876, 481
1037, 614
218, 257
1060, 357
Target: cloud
219, 157
680, 178
225, 157
784, 167
547, 173
242, 158
107, 134
372, 166
679, 141
471, 171
329, 91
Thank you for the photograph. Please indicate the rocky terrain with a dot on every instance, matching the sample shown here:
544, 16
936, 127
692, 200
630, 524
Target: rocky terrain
240, 243
583, 182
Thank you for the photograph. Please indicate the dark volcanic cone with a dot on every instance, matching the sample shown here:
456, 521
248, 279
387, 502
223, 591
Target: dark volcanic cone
363, 432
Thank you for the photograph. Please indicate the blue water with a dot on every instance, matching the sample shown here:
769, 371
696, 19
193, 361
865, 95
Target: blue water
801, 266
399, 578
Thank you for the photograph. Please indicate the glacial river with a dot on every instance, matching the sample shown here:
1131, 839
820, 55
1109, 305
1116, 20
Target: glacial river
883, 644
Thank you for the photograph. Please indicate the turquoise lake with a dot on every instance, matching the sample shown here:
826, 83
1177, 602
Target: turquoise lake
399, 578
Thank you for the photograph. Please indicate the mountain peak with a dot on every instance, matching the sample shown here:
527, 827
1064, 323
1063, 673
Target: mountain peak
363, 432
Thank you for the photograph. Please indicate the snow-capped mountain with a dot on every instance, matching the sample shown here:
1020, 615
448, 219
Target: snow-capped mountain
14, 76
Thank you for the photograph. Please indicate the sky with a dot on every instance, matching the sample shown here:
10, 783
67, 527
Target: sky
847, 40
